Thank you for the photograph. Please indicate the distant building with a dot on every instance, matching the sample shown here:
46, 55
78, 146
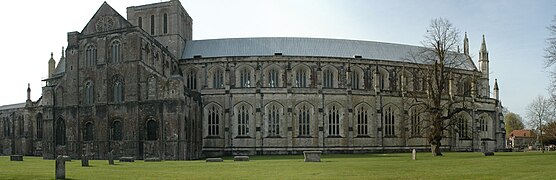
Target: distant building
521, 138
143, 87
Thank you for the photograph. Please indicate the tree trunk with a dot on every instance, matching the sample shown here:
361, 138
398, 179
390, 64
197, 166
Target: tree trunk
435, 148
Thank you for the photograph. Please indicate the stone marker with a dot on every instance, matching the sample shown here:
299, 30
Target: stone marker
110, 158
127, 159
153, 159
413, 154
16, 158
215, 160
67, 158
84, 161
241, 158
60, 167
312, 156
489, 153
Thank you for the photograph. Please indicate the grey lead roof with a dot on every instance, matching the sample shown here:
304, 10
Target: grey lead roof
12, 106
294, 46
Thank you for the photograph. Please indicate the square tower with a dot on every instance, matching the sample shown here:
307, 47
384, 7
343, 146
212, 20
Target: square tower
167, 22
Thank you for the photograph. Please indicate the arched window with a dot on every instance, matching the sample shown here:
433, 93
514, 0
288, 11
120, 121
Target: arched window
218, 79
39, 126
117, 130
273, 121
152, 130
6, 127
467, 88
116, 53
89, 93
214, 121
328, 79
88, 132
389, 118
273, 78
152, 24
151, 88
333, 121
165, 23
405, 81
60, 132
355, 80
90, 55
362, 121
415, 122
245, 78
140, 22
118, 91
301, 77
304, 117
463, 127
382, 81
243, 121
483, 123
192, 79
21, 126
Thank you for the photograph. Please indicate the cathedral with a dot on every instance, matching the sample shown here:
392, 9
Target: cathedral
142, 87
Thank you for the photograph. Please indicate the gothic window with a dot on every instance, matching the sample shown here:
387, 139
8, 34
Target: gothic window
273, 78
116, 53
405, 81
88, 132
152, 24
89, 93
304, 117
362, 121
483, 123
90, 55
165, 23
214, 121
192, 79
301, 77
6, 127
355, 79
21, 127
382, 81
415, 122
218, 79
243, 121
39, 126
118, 91
151, 88
117, 131
245, 77
462, 127
152, 130
60, 127
273, 121
333, 121
467, 88
389, 119
140, 22
328, 79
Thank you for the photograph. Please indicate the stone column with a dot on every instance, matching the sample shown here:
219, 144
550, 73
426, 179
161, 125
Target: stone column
60, 167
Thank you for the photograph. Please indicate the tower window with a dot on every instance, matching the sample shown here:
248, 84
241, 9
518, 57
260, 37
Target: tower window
165, 23
89, 93
152, 24
90, 55
117, 131
152, 129
88, 134
140, 22
116, 54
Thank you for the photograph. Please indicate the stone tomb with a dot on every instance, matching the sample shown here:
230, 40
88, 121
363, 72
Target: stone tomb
241, 158
153, 159
60, 167
312, 156
215, 160
127, 159
16, 158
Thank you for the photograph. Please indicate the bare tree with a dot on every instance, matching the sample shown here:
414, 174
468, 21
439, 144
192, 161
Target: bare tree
540, 111
438, 62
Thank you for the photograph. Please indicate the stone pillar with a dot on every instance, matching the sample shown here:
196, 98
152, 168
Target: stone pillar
60, 167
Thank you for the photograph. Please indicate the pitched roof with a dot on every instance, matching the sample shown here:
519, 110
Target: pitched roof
12, 106
106, 18
295, 46
521, 133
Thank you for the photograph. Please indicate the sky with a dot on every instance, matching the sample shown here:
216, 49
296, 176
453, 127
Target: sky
515, 32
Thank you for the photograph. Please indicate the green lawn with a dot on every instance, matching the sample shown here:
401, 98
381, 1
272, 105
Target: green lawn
523, 165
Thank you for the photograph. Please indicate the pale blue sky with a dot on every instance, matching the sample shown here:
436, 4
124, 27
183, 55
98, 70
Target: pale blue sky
515, 32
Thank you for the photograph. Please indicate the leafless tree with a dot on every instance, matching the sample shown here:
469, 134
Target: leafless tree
437, 63
539, 112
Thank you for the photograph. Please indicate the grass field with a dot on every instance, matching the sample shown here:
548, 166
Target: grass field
522, 165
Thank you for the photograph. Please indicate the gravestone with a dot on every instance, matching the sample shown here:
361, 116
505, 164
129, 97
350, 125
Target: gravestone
60, 167
110, 158
413, 154
312, 156
84, 161
215, 160
153, 159
16, 158
127, 159
241, 158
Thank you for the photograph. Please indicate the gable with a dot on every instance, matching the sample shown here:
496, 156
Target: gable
105, 19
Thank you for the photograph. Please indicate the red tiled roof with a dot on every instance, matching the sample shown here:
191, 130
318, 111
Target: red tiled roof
522, 133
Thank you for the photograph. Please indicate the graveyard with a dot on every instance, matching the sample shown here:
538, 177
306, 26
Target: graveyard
469, 165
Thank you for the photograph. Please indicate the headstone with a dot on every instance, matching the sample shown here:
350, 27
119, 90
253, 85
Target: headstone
312, 156
60, 167
215, 160
16, 158
489, 153
127, 159
67, 158
110, 158
84, 161
153, 159
413, 154
241, 158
